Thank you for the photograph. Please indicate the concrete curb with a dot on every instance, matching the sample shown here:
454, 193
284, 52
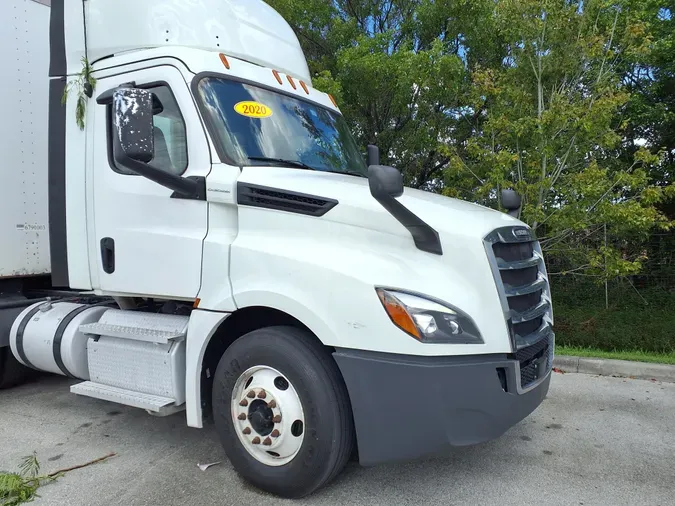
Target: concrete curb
610, 367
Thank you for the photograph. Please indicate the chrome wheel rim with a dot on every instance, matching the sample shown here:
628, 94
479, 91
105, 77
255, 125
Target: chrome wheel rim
267, 415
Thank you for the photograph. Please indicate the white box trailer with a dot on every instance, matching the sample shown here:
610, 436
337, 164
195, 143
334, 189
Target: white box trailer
206, 236
24, 99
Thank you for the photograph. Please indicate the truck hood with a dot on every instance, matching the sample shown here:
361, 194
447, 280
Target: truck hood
340, 256
357, 207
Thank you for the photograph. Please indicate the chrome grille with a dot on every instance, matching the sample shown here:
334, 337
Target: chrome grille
521, 279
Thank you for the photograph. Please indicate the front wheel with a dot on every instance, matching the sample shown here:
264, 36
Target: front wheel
282, 411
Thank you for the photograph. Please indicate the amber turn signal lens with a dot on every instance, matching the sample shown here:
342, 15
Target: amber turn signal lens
398, 313
223, 59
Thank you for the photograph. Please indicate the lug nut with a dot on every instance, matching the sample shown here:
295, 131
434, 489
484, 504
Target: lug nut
250, 394
247, 430
272, 404
267, 442
262, 394
242, 416
277, 419
275, 433
256, 440
243, 402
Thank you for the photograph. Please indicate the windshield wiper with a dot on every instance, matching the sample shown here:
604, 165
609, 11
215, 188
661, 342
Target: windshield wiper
290, 163
300, 165
351, 173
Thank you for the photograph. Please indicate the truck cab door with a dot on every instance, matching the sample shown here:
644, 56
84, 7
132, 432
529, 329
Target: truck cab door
145, 241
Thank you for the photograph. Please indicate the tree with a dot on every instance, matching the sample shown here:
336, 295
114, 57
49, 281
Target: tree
471, 96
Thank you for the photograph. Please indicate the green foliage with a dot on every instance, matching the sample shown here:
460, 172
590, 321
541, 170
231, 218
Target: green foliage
549, 97
79, 85
637, 319
20, 488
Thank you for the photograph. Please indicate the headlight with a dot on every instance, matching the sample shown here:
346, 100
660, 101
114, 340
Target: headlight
428, 320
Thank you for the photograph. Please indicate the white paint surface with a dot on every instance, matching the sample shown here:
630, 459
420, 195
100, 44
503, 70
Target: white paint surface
246, 29
24, 90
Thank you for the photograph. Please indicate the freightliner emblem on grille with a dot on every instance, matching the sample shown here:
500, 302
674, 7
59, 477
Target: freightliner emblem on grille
521, 233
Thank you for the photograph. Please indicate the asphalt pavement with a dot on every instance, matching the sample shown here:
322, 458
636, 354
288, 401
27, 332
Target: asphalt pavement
594, 441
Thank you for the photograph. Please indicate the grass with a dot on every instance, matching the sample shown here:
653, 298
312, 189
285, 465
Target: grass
636, 356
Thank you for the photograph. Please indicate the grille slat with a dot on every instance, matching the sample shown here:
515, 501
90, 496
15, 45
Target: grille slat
528, 327
519, 277
525, 288
519, 264
522, 303
513, 252
537, 311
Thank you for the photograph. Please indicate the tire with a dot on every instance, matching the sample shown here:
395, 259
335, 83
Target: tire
327, 431
12, 372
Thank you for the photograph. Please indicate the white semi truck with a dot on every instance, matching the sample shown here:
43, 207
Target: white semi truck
198, 231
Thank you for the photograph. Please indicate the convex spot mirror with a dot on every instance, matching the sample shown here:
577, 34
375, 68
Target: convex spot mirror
511, 201
385, 180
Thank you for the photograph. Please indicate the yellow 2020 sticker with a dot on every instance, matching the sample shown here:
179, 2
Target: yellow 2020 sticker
253, 109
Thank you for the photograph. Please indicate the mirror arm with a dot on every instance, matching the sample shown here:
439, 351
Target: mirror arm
373, 155
191, 188
426, 238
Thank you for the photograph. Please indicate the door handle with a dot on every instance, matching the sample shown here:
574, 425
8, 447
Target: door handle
108, 254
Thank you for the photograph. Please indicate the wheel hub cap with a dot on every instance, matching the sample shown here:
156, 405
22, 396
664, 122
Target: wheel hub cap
268, 415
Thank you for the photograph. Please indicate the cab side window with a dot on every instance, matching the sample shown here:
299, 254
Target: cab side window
170, 139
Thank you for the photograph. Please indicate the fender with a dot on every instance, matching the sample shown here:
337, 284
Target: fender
204, 324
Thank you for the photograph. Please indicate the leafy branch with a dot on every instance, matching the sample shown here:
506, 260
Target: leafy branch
83, 85
19, 488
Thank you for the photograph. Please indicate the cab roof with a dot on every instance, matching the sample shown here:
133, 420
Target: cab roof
249, 30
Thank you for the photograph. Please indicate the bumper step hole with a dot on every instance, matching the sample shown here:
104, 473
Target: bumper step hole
501, 374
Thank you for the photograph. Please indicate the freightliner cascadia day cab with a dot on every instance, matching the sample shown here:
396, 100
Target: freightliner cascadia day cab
197, 231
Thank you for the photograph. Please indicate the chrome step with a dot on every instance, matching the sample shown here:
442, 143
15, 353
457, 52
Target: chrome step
136, 326
133, 333
149, 402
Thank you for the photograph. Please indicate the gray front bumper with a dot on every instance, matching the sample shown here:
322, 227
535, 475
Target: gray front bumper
408, 406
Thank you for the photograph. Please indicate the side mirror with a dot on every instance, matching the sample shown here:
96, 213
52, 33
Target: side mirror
133, 138
133, 127
385, 181
373, 157
512, 202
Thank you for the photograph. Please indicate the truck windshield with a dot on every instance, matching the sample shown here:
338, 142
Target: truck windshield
256, 126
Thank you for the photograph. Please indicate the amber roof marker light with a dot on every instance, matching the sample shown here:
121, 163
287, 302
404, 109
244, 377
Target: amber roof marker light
276, 74
223, 59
